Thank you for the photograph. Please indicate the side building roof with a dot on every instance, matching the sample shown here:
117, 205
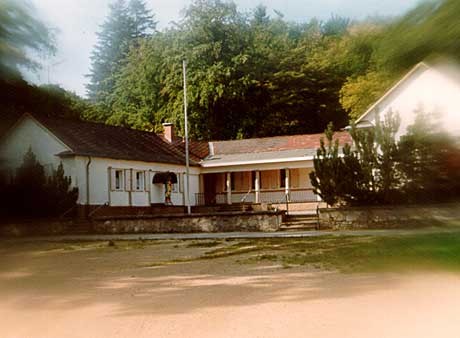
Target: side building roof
101, 140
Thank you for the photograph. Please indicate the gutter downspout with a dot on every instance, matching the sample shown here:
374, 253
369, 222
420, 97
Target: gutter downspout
87, 186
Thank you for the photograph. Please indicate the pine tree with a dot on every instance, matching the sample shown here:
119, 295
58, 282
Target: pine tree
328, 172
143, 23
124, 25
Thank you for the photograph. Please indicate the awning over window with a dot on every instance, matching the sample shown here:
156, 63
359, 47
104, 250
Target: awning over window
164, 177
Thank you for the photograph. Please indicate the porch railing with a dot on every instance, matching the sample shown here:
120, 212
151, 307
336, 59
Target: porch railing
265, 196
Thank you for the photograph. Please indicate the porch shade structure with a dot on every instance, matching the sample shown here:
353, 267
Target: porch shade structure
164, 177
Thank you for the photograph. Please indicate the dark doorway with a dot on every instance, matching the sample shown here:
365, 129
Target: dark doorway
210, 182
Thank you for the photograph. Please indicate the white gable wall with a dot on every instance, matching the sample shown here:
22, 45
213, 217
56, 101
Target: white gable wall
28, 133
433, 91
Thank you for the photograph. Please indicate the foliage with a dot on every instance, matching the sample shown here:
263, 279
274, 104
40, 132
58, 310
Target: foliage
422, 166
125, 24
429, 161
429, 28
20, 31
61, 195
358, 93
30, 193
328, 168
248, 75
21, 34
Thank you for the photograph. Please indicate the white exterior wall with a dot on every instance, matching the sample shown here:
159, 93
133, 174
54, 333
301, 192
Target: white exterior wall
100, 192
429, 89
29, 133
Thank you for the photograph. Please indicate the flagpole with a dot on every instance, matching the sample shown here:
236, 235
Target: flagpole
187, 161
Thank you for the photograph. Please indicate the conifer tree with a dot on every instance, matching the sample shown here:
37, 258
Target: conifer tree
123, 26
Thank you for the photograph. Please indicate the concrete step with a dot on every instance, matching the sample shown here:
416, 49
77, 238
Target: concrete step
300, 222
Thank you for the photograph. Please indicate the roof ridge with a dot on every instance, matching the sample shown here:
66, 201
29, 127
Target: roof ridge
278, 136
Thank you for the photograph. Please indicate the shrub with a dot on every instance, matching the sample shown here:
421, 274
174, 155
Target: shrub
423, 166
31, 194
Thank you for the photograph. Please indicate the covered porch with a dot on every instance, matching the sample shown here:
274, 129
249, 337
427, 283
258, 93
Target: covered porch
273, 186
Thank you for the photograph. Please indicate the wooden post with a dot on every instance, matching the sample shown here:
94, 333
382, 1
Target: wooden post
286, 183
257, 186
228, 183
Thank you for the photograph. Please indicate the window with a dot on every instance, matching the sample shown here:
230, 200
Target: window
139, 184
232, 181
118, 179
175, 186
282, 178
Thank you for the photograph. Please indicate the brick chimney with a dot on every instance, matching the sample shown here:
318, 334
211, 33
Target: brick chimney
168, 132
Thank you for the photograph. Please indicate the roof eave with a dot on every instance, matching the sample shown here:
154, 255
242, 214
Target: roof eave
206, 164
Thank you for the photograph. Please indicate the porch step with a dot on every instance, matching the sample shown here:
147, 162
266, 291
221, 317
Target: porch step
300, 222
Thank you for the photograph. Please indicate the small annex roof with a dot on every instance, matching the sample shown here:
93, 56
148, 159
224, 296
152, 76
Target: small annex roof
101, 140
267, 149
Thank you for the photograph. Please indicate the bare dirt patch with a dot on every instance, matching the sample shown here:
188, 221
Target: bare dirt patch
212, 289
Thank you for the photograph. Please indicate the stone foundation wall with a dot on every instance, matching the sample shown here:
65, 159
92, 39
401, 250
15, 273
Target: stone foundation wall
36, 227
170, 223
388, 217
218, 222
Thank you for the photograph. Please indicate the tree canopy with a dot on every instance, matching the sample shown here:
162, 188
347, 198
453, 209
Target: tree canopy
20, 31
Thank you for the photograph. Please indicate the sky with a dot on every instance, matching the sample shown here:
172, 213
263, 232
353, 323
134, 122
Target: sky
77, 21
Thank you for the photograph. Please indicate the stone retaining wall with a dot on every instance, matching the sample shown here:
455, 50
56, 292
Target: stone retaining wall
40, 227
172, 223
217, 222
389, 216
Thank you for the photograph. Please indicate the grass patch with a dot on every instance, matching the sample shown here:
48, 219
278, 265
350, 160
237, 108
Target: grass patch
204, 244
351, 253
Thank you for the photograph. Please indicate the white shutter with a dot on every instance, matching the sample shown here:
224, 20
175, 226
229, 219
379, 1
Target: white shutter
128, 181
180, 181
111, 174
146, 180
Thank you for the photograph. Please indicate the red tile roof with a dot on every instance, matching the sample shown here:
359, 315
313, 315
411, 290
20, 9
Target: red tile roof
276, 143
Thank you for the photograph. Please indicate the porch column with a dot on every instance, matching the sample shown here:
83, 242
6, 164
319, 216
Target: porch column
286, 182
228, 184
257, 186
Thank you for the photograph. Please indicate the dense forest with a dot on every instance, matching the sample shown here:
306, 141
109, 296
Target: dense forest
250, 73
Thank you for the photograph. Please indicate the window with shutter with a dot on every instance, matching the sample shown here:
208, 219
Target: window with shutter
139, 181
118, 179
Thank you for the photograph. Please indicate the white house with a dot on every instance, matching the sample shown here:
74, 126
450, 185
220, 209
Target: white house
433, 87
117, 166
109, 165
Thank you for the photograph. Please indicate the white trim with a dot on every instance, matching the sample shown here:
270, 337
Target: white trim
272, 160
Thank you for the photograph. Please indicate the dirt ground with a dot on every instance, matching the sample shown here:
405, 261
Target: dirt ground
151, 290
